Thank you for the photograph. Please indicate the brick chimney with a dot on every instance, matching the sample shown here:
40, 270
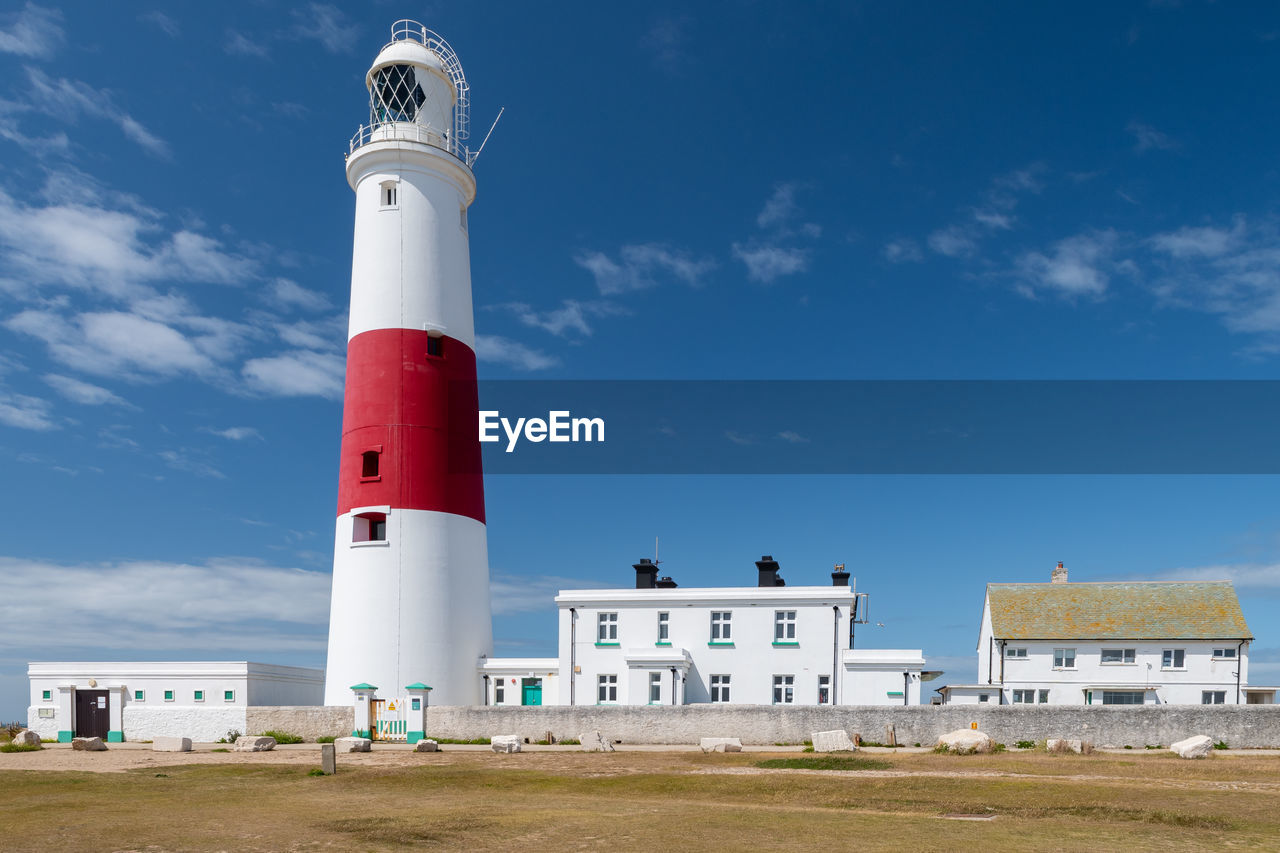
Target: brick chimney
1059, 574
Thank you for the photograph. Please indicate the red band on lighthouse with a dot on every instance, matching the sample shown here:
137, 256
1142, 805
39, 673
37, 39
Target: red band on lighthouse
417, 411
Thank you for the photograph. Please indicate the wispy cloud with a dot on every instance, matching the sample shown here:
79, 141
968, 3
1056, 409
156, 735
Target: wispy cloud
84, 393
902, 250
792, 437
189, 462
166, 24
666, 42
1254, 576
1200, 242
326, 24
63, 98
509, 593
773, 254
239, 44
767, 263
642, 266
996, 211
954, 241
241, 433
1076, 266
23, 412
287, 295
572, 315
1148, 138
34, 31
500, 350
301, 373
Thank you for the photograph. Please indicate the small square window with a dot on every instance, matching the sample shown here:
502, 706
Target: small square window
228, 696
435, 346
1224, 654
1173, 659
46, 695
1064, 658
1015, 653
369, 463
369, 527
139, 695
168, 696
784, 689
983, 697
1044, 697
199, 696
1213, 697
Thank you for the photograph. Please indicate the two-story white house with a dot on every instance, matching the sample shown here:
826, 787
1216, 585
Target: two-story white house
661, 644
1123, 643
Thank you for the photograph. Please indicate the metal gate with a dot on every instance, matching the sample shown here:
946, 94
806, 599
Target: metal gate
387, 721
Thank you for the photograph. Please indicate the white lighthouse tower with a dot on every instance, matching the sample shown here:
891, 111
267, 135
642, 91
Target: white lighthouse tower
410, 559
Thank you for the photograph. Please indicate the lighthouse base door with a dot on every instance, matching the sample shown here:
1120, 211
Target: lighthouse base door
387, 721
92, 717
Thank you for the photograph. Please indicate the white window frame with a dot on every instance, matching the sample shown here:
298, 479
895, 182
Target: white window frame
720, 685
784, 689
1177, 660
1020, 653
1024, 697
824, 684
606, 689
1127, 657
722, 626
170, 695
784, 626
500, 691
655, 685
664, 626
228, 695
1213, 697
139, 696
389, 195
198, 695
1139, 693
1062, 655
1224, 654
1044, 696
607, 627
984, 697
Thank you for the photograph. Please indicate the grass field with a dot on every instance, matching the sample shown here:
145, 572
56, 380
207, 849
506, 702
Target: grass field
653, 800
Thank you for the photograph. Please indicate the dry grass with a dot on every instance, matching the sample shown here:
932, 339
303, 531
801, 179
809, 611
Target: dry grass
633, 800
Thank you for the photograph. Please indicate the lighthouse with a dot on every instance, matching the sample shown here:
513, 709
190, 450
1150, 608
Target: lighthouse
410, 599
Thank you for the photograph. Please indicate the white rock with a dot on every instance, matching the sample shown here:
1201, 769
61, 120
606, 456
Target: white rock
26, 737
505, 743
721, 744
1196, 746
427, 746
88, 744
1057, 744
352, 744
837, 740
595, 742
251, 743
966, 741
171, 744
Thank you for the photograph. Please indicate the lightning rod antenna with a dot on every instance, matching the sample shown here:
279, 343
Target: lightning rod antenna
485, 141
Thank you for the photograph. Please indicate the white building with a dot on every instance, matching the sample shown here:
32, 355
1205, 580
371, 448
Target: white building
659, 644
202, 700
1126, 643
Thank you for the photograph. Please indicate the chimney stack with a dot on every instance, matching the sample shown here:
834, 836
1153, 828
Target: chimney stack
1059, 574
667, 583
646, 574
839, 577
768, 569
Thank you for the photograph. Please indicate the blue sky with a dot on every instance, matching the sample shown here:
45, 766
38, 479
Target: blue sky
716, 191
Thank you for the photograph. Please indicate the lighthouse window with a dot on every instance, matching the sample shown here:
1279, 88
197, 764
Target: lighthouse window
435, 346
397, 95
369, 527
388, 196
369, 463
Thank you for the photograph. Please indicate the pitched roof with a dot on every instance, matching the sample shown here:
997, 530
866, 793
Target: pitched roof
1175, 610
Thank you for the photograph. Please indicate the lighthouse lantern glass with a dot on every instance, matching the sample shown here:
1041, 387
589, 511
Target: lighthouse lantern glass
397, 94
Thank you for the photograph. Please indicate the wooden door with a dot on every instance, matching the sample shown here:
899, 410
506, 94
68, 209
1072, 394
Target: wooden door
92, 717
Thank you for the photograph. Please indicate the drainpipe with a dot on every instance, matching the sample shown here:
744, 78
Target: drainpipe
1239, 668
906, 687
486, 689
573, 653
673, 685
991, 645
1001, 702
835, 650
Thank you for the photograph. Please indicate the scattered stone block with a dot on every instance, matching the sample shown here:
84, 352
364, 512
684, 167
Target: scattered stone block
721, 744
171, 744
505, 743
595, 742
1058, 744
88, 744
1196, 746
427, 746
328, 759
832, 741
967, 741
352, 744
26, 737
252, 743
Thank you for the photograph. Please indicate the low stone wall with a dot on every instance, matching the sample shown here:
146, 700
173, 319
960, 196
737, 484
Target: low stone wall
307, 721
1238, 725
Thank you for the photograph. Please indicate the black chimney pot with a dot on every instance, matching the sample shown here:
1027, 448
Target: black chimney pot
840, 578
667, 583
646, 574
768, 569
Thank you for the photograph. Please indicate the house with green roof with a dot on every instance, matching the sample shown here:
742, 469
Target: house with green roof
1113, 643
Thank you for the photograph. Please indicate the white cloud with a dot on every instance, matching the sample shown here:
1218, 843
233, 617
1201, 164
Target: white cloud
767, 263
955, 241
23, 412
1077, 266
1242, 575
523, 594
238, 44
666, 43
792, 437
1207, 242
166, 607
236, 433
572, 315
84, 393
640, 266
780, 208
500, 350
1147, 138
326, 24
299, 373
187, 461
902, 250
168, 25
287, 295
65, 99
35, 31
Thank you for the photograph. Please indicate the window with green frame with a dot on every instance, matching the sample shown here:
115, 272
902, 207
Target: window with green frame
199, 697
46, 695
168, 696
228, 696
139, 695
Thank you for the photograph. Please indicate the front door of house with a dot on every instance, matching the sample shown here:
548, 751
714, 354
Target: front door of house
531, 691
92, 717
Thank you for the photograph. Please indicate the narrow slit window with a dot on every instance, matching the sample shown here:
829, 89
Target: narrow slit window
389, 194
369, 463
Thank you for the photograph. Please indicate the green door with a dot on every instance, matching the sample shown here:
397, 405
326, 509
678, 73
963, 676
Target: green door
531, 691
